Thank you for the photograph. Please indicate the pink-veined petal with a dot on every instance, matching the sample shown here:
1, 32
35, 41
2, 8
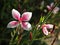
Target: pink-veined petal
15, 14
26, 16
26, 26
12, 24
49, 8
49, 26
55, 10
45, 31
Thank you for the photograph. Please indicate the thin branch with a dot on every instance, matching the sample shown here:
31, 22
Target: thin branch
53, 41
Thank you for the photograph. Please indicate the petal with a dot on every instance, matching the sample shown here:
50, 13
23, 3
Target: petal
26, 26
49, 26
15, 14
45, 31
52, 4
49, 8
26, 16
12, 24
55, 10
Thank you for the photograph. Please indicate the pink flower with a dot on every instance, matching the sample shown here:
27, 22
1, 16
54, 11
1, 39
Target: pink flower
45, 27
52, 8
56, 9
22, 20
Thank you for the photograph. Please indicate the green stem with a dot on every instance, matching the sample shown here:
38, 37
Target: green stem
12, 39
48, 15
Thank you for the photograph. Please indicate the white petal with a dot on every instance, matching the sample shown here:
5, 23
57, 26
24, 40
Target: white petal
49, 26
52, 4
26, 16
12, 24
45, 31
26, 26
55, 10
15, 14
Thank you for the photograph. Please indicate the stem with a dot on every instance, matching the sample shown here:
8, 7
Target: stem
49, 14
12, 38
20, 34
19, 39
53, 41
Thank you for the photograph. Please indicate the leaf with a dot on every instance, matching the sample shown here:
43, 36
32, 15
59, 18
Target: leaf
42, 19
12, 35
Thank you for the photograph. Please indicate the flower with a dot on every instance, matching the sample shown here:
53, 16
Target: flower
52, 8
56, 9
22, 20
45, 27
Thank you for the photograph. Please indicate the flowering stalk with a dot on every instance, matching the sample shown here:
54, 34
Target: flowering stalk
49, 14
